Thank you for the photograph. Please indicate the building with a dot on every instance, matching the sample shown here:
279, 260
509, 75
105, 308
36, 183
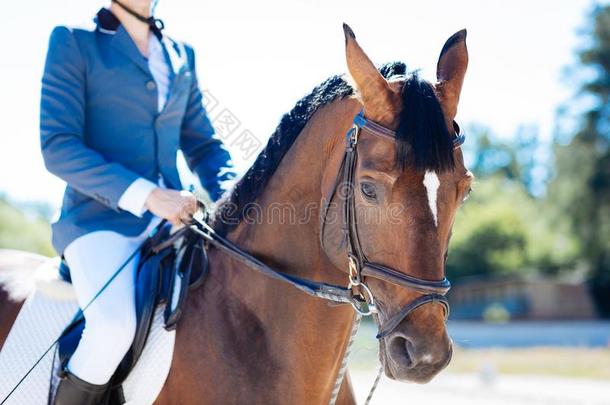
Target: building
519, 297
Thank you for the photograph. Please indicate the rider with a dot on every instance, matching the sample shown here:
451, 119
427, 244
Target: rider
117, 103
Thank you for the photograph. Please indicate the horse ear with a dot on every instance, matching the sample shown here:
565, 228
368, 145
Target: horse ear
373, 88
450, 72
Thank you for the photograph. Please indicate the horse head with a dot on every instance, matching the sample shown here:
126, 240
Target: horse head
405, 191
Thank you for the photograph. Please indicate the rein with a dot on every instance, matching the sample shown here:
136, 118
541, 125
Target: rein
316, 289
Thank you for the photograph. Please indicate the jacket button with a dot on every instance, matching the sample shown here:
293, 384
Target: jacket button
150, 85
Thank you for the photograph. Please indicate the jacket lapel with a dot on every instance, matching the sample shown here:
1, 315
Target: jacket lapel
175, 57
174, 52
123, 43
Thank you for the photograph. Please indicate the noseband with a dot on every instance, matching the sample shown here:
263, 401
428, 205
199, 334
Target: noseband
360, 267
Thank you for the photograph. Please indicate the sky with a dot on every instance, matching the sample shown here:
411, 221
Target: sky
255, 59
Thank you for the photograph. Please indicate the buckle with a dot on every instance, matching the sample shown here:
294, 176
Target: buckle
363, 302
352, 135
354, 273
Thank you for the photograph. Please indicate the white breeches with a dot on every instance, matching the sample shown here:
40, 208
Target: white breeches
111, 319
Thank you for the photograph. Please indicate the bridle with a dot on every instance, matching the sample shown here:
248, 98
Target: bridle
357, 293
359, 266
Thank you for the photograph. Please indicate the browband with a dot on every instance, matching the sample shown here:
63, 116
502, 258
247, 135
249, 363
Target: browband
381, 131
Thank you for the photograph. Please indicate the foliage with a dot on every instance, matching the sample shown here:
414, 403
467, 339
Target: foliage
501, 230
19, 231
511, 225
496, 313
514, 160
580, 189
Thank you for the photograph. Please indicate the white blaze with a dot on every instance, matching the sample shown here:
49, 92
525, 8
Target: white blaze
431, 182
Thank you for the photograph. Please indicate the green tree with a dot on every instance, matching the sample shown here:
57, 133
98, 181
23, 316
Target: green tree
502, 229
581, 186
514, 159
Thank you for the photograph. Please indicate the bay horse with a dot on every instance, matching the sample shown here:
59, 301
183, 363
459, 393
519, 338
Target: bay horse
245, 338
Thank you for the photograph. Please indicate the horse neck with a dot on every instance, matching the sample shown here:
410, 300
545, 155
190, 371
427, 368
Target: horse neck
285, 228
307, 334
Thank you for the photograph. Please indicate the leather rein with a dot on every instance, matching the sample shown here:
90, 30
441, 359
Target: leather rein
357, 293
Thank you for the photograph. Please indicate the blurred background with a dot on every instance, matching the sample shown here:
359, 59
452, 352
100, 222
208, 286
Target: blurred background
530, 254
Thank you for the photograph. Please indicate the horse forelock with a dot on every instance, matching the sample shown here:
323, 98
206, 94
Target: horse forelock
423, 140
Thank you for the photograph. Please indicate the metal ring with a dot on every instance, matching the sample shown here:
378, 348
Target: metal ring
371, 308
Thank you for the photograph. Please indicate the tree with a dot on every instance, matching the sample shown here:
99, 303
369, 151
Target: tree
502, 229
515, 159
581, 187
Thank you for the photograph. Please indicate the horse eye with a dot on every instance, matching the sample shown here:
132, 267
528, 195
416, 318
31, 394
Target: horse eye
467, 195
369, 190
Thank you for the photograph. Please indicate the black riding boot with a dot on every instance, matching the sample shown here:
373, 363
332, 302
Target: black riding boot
74, 391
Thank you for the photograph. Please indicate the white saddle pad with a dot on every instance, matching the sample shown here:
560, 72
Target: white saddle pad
43, 317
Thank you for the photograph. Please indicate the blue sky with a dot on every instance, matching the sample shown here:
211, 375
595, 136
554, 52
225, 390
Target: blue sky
258, 58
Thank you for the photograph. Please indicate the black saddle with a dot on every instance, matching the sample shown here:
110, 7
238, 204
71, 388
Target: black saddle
169, 266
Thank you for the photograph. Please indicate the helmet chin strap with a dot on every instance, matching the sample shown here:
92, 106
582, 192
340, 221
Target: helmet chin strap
155, 24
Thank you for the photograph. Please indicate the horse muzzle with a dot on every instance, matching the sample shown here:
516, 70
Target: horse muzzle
414, 359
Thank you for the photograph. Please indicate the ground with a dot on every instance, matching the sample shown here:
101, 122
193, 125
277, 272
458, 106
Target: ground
486, 375
473, 389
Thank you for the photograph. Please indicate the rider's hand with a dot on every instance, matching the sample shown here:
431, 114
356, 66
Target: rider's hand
175, 206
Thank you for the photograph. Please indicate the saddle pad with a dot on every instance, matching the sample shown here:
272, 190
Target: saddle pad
42, 318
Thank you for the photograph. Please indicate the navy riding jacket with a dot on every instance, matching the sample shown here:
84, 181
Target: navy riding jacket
101, 129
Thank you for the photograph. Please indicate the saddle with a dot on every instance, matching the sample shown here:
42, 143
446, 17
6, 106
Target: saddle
168, 267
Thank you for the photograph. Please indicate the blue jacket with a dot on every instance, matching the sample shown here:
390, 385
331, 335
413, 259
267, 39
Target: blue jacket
100, 127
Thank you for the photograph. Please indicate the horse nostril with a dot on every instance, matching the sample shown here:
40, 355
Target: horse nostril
410, 358
401, 350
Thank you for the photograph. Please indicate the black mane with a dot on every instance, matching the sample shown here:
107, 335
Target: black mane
422, 137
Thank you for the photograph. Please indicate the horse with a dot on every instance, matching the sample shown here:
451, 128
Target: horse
246, 338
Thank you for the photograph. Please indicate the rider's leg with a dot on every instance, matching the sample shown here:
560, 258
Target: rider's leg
111, 319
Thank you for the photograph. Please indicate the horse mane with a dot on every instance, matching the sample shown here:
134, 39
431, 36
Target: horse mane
422, 137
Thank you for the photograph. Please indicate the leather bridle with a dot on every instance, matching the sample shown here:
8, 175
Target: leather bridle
357, 293
360, 267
